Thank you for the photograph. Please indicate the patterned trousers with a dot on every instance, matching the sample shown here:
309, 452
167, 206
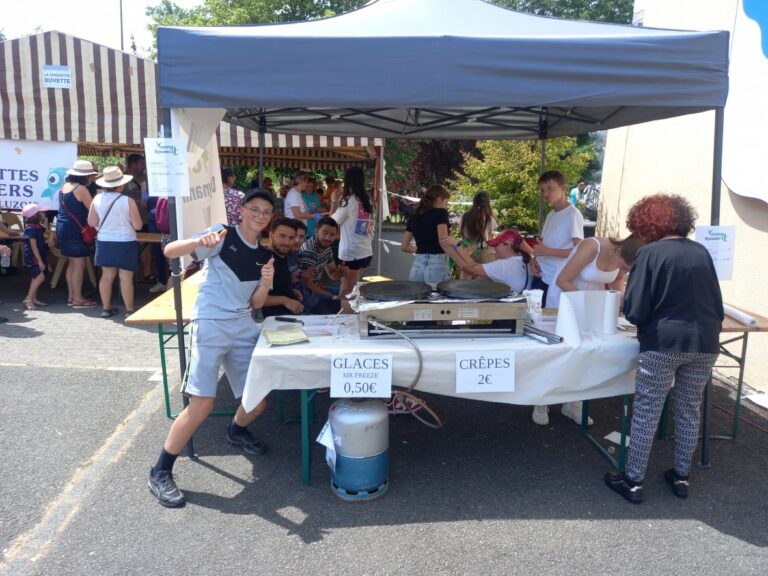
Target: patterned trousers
656, 371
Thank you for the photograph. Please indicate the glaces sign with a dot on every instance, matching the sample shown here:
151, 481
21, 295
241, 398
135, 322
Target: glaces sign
361, 376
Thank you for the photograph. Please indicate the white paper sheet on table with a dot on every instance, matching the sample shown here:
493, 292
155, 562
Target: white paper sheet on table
587, 312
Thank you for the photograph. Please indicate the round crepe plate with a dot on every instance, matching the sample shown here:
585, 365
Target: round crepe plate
394, 290
473, 289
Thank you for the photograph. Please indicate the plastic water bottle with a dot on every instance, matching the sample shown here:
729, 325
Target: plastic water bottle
5, 260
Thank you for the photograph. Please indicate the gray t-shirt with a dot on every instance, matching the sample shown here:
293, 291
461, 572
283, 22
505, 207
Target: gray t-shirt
231, 274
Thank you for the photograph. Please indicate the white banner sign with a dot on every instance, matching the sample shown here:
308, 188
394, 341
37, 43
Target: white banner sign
485, 372
719, 242
33, 172
167, 167
57, 76
204, 205
744, 144
361, 376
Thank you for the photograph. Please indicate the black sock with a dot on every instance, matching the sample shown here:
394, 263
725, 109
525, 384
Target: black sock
165, 462
236, 429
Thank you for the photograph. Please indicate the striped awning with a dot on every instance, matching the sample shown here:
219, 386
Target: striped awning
113, 95
112, 99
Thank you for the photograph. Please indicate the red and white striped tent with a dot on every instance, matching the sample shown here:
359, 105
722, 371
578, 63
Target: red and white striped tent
112, 106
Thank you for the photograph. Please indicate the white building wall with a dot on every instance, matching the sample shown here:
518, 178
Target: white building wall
676, 156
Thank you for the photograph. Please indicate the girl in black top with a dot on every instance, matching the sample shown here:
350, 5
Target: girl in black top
427, 227
673, 297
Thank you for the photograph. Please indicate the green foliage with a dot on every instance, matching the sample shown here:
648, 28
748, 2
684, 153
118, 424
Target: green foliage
399, 156
241, 12
508, 171
615, 11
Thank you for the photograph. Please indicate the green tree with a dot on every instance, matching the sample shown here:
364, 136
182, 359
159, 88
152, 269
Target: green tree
2, 36
615, 11
508, 171
241, 12
399, 156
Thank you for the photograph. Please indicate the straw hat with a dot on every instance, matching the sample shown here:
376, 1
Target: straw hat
113, 177
82, 168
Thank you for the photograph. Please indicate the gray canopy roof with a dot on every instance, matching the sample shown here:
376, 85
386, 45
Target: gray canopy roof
442, 69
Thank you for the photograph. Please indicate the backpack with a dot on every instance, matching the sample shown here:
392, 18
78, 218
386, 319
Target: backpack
162, 216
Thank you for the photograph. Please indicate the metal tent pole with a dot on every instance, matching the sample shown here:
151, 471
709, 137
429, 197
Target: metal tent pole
717, 168
717, 174
262, 139
176, 276
543, 125
379, 218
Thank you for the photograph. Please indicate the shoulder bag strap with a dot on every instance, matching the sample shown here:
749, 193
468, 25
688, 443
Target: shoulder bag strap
64, 203
109, 210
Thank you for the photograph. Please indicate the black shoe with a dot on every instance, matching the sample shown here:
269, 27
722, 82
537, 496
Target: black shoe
246, 442
618, 483
165, 490
679, 484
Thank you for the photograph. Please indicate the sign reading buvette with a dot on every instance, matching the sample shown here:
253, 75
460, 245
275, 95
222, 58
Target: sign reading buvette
361, 376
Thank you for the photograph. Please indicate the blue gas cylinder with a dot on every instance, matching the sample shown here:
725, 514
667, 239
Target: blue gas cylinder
361, 434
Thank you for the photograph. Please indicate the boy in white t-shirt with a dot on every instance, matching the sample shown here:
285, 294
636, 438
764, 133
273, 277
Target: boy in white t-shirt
563, 229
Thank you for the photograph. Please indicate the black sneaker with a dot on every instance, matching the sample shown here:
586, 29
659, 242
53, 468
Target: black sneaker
679, 484
165, 490
246, 442
618, 483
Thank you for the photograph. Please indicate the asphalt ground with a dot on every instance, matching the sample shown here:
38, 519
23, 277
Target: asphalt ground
82, 420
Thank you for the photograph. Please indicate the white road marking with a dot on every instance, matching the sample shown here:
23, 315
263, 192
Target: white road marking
29, 547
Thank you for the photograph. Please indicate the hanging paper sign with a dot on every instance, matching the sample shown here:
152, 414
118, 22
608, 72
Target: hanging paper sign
361, 376
326, 439
485, 372
167, 166
719, 242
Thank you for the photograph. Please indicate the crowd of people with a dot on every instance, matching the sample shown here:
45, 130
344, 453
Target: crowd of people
670, 287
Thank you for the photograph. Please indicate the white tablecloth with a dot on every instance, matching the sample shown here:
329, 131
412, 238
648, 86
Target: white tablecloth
544, 374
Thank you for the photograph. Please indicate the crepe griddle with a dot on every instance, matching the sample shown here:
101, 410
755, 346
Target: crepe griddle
473, 289
394, 290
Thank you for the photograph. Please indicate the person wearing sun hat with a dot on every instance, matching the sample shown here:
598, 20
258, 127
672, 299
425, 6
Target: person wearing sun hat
74, 202
117, 253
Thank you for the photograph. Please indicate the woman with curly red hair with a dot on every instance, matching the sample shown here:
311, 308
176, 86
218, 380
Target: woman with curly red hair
673, 297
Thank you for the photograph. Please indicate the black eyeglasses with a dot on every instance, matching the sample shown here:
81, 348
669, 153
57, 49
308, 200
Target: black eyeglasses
256, 212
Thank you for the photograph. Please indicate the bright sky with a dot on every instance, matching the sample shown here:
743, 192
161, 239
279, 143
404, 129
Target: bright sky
94, 20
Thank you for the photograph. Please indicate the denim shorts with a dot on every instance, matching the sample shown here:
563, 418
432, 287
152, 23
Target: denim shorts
430, 269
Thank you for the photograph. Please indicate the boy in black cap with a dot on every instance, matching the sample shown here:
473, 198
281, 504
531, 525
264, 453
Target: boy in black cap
236, 279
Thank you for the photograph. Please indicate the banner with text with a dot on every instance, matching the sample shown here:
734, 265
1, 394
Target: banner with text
204, 206
33, 172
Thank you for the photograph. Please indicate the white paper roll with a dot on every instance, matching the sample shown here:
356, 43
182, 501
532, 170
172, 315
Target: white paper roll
740, 316
568, 312
592, 312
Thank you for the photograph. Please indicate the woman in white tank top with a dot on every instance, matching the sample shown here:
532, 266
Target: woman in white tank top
594, 264
117, 253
